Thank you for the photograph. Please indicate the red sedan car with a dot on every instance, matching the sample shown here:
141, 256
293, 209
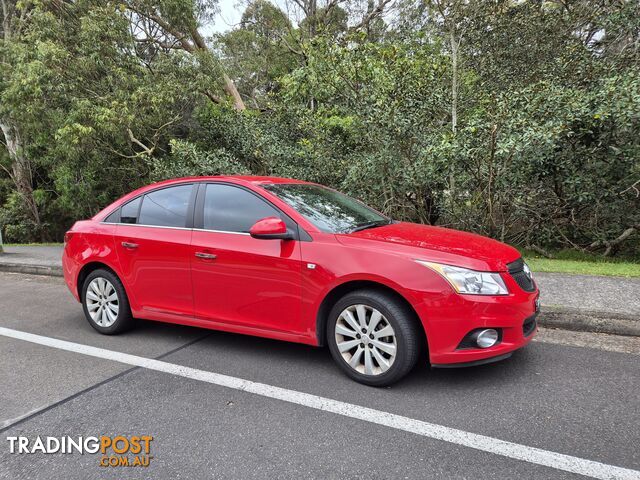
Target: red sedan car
297, 261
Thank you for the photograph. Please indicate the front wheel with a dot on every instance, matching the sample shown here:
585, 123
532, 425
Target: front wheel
373, 337
105, 303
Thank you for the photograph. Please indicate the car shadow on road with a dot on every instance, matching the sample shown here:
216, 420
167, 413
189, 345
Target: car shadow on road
287, 364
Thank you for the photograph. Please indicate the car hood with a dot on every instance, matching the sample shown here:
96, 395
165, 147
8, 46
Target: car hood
438, 244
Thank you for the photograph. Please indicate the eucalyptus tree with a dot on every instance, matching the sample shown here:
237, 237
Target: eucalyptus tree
177, 24
260, 50
15, 20
89, 112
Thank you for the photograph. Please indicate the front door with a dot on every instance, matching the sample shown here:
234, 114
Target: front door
238, 279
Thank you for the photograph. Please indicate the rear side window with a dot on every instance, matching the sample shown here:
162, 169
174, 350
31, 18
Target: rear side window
129, 211
167, 207
233, 209
113, 218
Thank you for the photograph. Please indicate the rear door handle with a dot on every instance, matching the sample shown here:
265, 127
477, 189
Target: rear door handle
129, 245
206, 256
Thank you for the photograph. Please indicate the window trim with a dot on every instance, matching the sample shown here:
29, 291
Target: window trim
199, 212
195, 212
190, 208
188, 224
146, 226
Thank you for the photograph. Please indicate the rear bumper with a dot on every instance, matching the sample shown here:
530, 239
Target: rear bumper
70, 269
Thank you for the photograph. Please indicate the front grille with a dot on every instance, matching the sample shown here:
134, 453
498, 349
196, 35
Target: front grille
529, 325
516, 270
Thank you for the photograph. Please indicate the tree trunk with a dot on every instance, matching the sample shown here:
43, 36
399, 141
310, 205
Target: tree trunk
20, 166
229, 85
232, 90
454, 82
21, 171
454, 101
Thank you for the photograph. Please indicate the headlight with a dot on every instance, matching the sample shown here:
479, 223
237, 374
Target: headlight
468, 281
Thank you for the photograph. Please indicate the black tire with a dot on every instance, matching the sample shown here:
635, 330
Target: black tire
124, 320
408, 336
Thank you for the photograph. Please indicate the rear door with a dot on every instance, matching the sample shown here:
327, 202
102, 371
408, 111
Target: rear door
239, 279
153, 240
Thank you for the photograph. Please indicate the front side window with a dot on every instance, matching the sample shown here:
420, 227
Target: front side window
330, 211
233, 209
167, 207
129, 211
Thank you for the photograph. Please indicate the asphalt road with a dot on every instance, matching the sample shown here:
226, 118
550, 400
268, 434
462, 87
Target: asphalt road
580, 401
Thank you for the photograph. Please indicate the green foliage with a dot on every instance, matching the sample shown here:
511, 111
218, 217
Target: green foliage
82, 98
258, 52
186, 159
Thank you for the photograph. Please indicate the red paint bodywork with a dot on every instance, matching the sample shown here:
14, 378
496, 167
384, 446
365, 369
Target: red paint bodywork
268, 226
275, 288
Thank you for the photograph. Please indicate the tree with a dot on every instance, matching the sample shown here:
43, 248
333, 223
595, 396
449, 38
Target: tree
261, 50
175, 24
15, 16
91, 114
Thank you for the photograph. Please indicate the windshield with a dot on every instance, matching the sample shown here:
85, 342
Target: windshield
330, 211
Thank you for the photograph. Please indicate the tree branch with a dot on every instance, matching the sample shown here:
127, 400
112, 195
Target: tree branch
166, 26
634, 187
371, 15
611, 244
147, 150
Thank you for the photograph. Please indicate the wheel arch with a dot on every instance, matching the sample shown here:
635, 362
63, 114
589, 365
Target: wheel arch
342, 289
86, 270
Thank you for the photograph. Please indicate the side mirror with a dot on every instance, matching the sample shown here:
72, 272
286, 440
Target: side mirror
270, 228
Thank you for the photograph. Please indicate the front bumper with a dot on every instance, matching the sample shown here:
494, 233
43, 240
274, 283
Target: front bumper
473, 364
448, 318
529, 329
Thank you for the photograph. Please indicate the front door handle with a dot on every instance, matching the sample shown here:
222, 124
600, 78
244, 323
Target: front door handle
206, 256
129, 245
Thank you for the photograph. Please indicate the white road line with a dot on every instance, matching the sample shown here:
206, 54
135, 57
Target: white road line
496, 446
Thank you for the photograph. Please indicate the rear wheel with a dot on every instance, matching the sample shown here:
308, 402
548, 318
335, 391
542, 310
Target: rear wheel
105, 303
373, 337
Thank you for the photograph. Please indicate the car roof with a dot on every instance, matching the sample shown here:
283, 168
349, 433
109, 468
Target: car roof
237, 179
250, 179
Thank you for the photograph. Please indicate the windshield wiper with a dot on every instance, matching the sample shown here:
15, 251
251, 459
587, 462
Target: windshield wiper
365, 226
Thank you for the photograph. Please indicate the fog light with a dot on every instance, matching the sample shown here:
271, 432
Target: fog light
487, 338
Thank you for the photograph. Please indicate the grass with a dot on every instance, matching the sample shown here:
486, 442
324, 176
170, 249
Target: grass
570, 261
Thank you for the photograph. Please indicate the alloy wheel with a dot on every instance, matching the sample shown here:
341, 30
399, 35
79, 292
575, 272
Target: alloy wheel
365, 339
102, 302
